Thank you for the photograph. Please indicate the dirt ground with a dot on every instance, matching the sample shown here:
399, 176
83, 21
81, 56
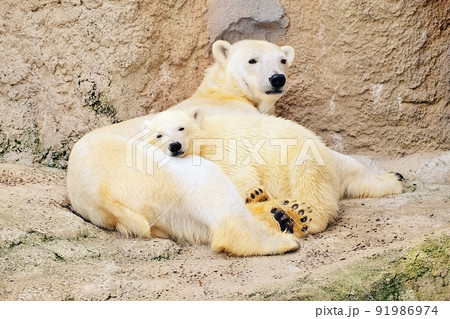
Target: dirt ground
49, 253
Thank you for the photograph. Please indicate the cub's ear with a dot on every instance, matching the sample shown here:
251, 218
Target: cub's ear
290, 53
197, 115
221, 51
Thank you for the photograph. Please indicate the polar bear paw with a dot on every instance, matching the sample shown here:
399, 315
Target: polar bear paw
399, 176
256, 195
293, 216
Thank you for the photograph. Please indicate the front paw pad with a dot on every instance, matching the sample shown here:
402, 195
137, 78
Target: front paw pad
285, 221
256, 195
300, 213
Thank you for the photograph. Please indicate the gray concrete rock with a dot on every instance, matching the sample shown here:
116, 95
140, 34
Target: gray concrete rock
254, 19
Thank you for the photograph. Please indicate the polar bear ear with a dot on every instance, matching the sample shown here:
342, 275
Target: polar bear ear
197, 115
221, 51
290, 53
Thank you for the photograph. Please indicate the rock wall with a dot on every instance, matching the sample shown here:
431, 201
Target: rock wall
372, 76
368, 76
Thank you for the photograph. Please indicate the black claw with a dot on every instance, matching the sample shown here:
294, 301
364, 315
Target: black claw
260, 190
257, 193
246, 201
291, 228
399, 176
252, 196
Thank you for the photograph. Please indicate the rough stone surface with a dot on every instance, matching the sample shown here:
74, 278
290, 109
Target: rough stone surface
368, 77
371, 76
71, 66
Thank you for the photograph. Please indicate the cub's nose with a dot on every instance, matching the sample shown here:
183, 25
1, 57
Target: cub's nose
277, 80
175, 147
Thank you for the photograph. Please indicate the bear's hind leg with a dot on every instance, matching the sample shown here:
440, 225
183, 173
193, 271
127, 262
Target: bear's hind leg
317, 185
127, 222
357, 181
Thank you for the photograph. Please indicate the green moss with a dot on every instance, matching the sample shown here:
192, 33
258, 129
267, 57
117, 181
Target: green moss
4, 143
421, 273
58, 257
412, 187
100, 104
46, 239
59, 158
15, 243
418, 273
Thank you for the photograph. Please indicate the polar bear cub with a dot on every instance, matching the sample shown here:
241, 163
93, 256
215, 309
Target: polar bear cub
197, 204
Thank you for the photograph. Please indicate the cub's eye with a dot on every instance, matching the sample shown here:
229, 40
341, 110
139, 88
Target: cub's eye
283, 61
252, 61
158, 136
181, 129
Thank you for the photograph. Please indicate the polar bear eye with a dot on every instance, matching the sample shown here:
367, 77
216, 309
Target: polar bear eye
181, 129
283, 61
158, 136
252, 61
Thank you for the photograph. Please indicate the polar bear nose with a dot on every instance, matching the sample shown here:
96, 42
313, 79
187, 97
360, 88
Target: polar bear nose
277, 80
175, 147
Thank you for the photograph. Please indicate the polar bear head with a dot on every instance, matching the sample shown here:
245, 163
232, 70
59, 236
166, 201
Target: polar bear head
174, 130
257, 69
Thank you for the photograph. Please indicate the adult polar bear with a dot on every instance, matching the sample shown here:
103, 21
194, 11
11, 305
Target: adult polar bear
188, 203
199, 203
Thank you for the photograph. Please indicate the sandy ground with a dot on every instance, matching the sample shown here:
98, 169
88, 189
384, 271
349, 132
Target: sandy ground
49, 253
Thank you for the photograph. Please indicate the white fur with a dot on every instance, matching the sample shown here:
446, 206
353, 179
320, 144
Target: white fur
232, 84
200, 203
197, 204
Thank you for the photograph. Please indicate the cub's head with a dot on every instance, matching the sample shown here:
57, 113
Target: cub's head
173, 131
257, 68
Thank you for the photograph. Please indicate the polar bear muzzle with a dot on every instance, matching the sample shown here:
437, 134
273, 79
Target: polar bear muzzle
277, 81
175, 149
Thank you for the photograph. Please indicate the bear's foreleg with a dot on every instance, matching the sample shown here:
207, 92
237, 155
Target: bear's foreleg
289, 216
244, 235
